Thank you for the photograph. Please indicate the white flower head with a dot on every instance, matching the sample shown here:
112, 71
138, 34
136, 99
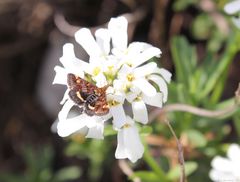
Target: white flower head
226, 168
232, 8
125, 76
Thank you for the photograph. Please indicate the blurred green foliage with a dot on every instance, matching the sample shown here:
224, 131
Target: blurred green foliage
39, 168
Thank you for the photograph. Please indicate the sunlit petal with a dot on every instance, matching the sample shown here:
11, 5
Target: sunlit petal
164, 73
232, 7
69, 126
120, 151
161, 84
156, 100
65, 110
103, 40
87, 41
133, 146
234, 153
118, 31
144, 70
140, 113
96, 131
145, 87
222, 164
119, 117
146, 55
61, 76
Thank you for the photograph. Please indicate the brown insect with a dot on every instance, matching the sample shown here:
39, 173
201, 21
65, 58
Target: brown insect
90, 98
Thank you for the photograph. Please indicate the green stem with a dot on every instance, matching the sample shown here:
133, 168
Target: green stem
154, 165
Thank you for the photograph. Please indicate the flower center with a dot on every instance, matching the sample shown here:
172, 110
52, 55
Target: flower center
113, 103
129, 63
96, 71
130, 77
126, 126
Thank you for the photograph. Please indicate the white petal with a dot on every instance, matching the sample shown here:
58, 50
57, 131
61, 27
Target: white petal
68, 55
222, 164
120, 151
144, 70
100, 80
65, 110
118, 31
130, 96
125, 69
71, 63
132, 143
146, 55
155, 100
87, 41
234, 153
103, 40
236, 22
97, 131
119, 117
145, 87
219, 176
117, 96
161, 84
138, 47
140, 113
69, 126
164, 73
61, 76
118, 85
232, 7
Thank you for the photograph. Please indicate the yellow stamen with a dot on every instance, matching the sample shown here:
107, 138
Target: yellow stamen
130, 77
126, 126
113, 103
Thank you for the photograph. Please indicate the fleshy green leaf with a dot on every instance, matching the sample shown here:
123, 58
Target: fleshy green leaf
175, 173
196, 138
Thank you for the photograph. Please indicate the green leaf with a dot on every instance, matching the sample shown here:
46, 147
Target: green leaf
185, 59
146, 176
196, 138
175, 173
146, 130
181, 5
109, 131
202, 26
68, 173
221, 66
10, 177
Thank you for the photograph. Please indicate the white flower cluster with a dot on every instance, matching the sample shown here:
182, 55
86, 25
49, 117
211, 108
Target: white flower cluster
233, 8
131, 78
227, 169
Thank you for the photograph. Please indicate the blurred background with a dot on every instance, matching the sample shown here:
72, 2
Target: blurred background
199, 43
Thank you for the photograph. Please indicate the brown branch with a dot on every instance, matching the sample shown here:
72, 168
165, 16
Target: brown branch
180, 151
69, 30
194, 110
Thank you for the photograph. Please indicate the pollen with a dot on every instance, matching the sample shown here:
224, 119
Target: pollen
113, 103
110, 68
96, 71
129, 63
126, 126
130, 77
